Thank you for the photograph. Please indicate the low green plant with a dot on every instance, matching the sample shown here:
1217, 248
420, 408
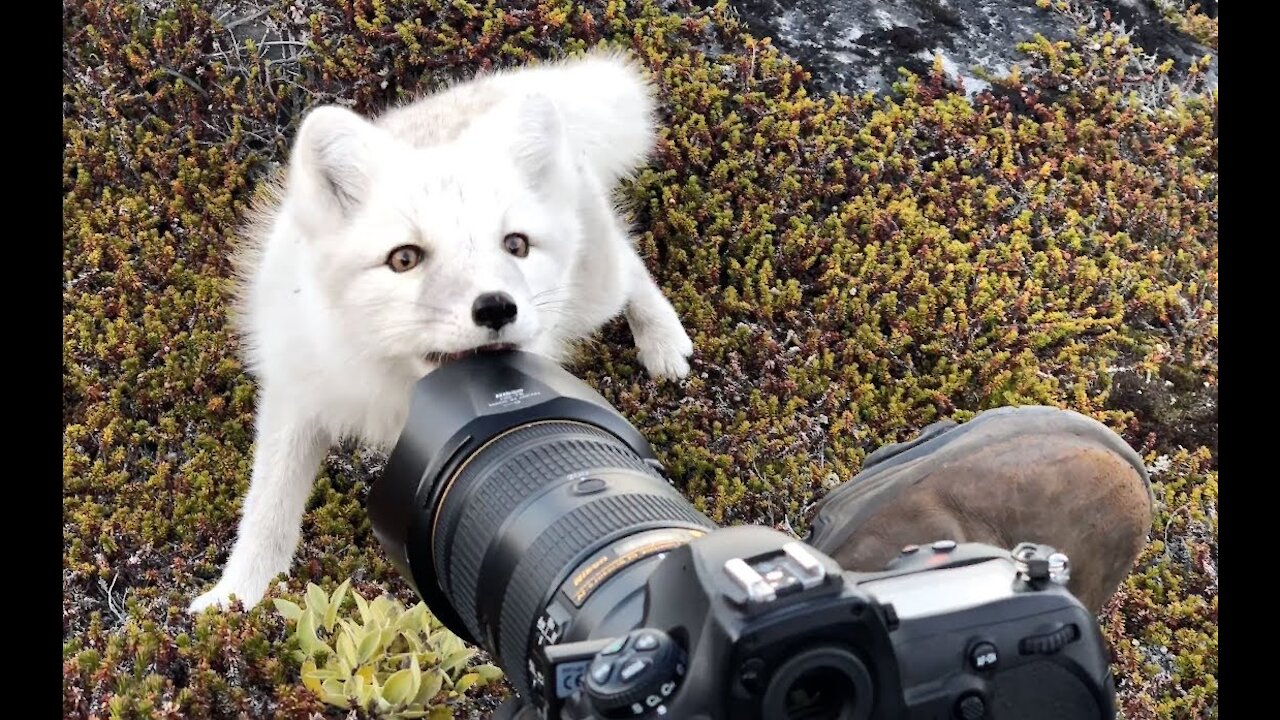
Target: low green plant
382, 658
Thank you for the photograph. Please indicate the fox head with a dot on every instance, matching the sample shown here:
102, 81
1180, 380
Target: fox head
425, 253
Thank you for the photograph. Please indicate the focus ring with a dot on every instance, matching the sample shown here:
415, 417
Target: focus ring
552, 555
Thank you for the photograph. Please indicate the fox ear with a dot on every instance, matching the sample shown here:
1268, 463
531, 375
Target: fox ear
540, 143
334, 159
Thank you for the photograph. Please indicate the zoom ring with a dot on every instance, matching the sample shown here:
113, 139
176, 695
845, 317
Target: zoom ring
501, 477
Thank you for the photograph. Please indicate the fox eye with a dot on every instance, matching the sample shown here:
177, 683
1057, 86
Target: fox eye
517, 244
404, 258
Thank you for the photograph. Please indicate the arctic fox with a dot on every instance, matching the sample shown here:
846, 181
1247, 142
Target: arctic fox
477, 216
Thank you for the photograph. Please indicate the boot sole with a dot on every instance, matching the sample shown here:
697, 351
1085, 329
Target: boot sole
847, 507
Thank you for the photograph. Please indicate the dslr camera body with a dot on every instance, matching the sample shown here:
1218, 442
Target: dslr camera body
746, 622
536, 523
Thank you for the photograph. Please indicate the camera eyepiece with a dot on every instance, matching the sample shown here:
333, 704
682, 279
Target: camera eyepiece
819, 683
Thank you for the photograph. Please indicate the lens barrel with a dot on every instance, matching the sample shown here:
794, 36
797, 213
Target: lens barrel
508, 476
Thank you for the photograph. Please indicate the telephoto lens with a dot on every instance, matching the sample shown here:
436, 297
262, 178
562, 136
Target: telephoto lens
524, 509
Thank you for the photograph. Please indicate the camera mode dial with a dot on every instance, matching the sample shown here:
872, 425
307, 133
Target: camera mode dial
635, 674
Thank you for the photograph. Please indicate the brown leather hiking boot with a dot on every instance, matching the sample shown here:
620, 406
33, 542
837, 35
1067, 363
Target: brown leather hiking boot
1014, 474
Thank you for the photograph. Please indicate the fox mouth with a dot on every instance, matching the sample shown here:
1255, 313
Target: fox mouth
440, 358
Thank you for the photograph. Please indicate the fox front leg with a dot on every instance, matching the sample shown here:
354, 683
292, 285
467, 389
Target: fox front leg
663, 344
288, 453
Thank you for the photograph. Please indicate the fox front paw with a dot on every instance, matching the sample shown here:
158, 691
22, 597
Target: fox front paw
665, 354
248, 592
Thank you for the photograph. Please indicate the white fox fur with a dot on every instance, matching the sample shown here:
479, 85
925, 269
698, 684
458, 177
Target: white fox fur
338, 322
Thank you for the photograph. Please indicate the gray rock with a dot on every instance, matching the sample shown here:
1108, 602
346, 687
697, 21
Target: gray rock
855, 46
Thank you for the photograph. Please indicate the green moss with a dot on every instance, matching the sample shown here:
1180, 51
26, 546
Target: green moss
851, 268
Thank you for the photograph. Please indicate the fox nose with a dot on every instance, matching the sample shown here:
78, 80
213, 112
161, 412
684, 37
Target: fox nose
493, 310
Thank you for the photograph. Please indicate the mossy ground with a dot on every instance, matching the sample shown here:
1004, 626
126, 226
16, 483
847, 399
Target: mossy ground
852, 268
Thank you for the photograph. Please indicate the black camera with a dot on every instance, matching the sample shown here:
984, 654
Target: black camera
535, 522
